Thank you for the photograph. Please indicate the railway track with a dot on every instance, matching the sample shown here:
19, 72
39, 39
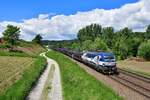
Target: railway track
136, 82
133, 83
140, 77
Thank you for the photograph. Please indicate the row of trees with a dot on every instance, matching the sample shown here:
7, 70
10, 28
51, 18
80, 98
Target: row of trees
11, 36
123, 43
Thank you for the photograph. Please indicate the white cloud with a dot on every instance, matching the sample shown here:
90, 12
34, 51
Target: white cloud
135, 16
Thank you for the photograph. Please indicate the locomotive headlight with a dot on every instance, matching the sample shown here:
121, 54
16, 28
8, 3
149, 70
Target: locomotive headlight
103, 64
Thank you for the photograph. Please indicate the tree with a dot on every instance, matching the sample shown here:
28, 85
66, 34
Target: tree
124, 43
126, 32
147, 33
11, 35
90, 32
99, 44
108, 36
120, 48
134, 44
87, 45
37, 39
144, 50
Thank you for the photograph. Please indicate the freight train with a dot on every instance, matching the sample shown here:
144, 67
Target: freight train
104, 62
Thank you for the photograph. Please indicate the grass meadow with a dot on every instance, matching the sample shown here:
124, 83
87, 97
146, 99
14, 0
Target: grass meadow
18, 75
77, 84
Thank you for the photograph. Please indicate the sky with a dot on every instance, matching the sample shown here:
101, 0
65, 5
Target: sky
61, 19
16, 10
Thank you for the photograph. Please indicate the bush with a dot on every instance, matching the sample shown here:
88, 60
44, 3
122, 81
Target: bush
144, 50
4, 46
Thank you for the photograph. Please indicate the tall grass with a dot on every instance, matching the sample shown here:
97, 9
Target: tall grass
18, 54
78, 84
11, 69
20, 89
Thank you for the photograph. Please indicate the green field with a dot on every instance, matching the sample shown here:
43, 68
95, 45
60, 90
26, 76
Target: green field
18, 77
11, 69
19, 70
78, 84
18, 54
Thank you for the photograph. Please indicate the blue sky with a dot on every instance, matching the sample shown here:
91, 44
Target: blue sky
16, 10
62, 19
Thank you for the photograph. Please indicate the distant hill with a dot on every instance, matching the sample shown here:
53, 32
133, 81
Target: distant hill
29, 48
55, 44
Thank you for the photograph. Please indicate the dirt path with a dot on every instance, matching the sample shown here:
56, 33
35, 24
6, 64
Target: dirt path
55, 91
122, 90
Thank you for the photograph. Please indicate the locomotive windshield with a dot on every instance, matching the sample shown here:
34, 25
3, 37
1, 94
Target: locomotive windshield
90, 55
109, 58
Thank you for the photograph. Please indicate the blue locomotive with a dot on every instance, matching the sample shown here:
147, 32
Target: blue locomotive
103, 61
